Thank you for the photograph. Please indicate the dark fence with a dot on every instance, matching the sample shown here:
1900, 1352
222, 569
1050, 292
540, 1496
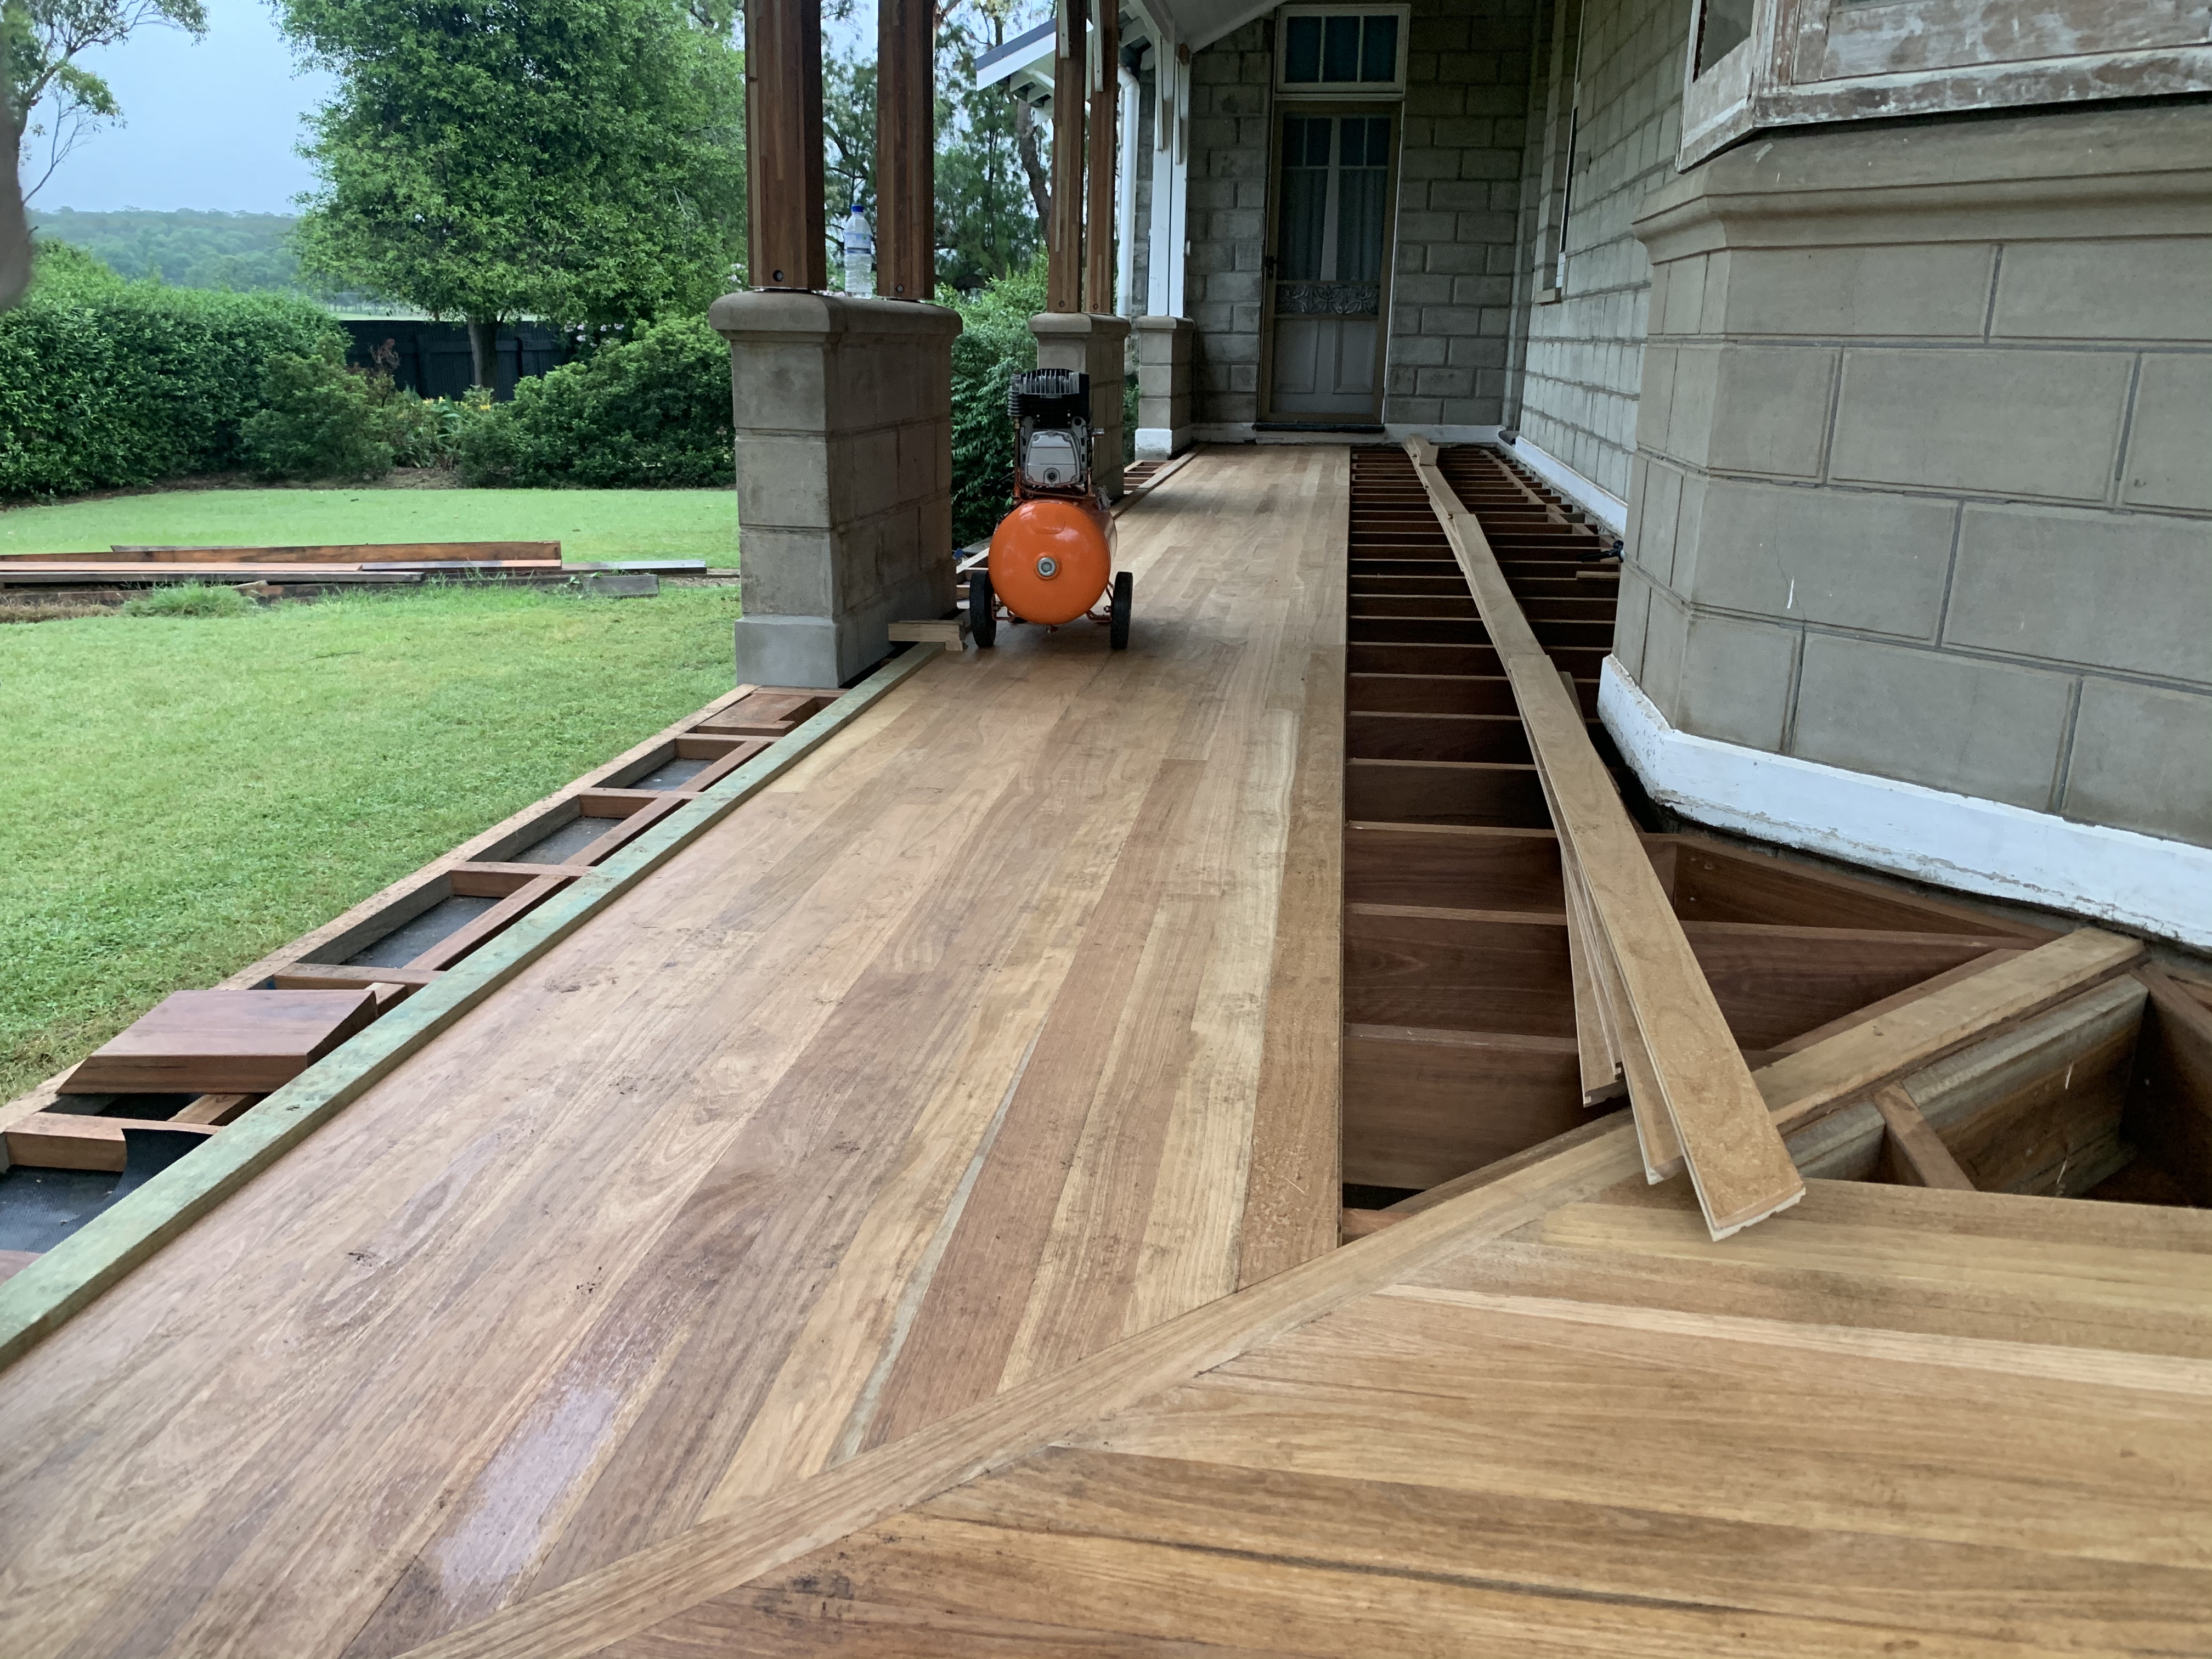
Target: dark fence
433, 357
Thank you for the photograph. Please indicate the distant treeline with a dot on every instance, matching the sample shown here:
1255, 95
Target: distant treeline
249, 253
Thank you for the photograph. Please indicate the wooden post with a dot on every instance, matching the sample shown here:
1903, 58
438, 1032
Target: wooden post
1105, 112
906, 149
1063, 287
783, 144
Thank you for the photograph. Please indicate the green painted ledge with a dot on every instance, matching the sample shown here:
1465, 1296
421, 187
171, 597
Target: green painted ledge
37, 1301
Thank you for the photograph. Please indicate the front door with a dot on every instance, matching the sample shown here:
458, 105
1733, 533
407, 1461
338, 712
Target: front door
1328, 270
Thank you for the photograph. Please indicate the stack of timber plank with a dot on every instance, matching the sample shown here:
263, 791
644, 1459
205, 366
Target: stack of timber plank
1645, 1014
273, 569
355, 564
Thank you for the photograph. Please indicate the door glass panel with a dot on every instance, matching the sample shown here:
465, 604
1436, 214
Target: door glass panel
1302, 50
1303, 225
1362, 183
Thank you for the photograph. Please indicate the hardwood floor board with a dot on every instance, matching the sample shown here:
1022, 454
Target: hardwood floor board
1839, 1280
828, 1620
1752, 1421
1991, 1593
1225, 1595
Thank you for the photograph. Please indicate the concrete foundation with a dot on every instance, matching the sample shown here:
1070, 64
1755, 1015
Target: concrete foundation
1096, 345
844, 447
1921, 482
1164, 386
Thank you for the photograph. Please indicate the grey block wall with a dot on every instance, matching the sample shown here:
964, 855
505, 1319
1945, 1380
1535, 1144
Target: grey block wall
1925, 487
1459, 197
1226, 218
1584, 351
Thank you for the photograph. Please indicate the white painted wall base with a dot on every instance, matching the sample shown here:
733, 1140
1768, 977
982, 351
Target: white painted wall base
1607, 509
2140, 882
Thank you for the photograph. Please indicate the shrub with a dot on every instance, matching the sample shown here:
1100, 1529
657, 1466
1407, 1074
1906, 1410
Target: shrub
189, 599
320, 419
106, 384
994, 341
652, 409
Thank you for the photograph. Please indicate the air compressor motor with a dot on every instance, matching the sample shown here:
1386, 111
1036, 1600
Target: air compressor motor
1052, 558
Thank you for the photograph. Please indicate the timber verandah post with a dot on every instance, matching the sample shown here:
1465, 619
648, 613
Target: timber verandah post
1070, 87
906, 149
783, 144
1093, 341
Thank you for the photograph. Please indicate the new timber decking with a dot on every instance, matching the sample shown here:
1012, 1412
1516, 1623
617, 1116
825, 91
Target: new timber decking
899, 1226
1003, 1025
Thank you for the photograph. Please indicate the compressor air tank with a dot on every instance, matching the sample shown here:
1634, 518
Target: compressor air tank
1052, 557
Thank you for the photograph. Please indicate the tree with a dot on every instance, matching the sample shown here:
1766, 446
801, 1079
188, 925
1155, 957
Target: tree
580, 160
44, 39
985, 226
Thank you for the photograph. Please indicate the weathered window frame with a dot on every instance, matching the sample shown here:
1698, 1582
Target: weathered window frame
1340, 91
1808, 61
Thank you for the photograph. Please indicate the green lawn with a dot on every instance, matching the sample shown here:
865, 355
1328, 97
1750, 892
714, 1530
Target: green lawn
185, 795
589, 523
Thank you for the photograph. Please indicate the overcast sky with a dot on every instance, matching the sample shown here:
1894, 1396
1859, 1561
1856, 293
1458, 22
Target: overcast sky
211, 124
214, 125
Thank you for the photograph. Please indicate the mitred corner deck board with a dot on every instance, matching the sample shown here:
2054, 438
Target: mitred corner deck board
650, 1229
217, 1041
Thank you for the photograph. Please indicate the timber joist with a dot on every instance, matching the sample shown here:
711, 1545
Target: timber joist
1487, 1008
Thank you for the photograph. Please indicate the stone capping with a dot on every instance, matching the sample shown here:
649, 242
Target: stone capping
759, 313
2142, 882
2086, 175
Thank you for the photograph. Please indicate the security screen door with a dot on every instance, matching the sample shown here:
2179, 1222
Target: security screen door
1326, 277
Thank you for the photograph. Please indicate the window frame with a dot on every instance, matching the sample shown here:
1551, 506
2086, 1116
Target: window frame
1342, 91
1798, 68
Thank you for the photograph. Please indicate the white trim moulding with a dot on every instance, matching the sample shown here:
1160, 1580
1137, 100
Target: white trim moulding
2142, 882
1607, 509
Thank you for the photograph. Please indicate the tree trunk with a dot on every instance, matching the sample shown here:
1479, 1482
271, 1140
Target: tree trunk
1025, 146
483, 352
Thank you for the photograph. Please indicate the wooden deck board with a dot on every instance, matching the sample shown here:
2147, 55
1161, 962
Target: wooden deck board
654, 1228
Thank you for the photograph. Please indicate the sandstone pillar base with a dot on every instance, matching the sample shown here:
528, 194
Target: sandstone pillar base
843, 412
1164, 383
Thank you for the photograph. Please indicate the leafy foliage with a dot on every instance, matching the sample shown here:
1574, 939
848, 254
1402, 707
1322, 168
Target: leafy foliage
993, 343
987, 220
251, 252
318, 420
580, 160
105, 383
652, 409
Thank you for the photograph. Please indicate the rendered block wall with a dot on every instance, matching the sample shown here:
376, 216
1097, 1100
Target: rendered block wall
1459, 194
1925, 487
1226, 218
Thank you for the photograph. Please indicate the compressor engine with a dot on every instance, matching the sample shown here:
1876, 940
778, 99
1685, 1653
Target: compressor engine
1052, 557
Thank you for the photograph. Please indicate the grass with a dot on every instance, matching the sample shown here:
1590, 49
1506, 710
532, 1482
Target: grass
185, 794
589, 523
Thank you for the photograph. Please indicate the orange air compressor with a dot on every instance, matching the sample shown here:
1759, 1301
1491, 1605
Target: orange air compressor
1052, 557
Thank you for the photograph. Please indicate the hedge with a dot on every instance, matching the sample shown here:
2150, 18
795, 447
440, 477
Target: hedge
650, 410
106, 384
